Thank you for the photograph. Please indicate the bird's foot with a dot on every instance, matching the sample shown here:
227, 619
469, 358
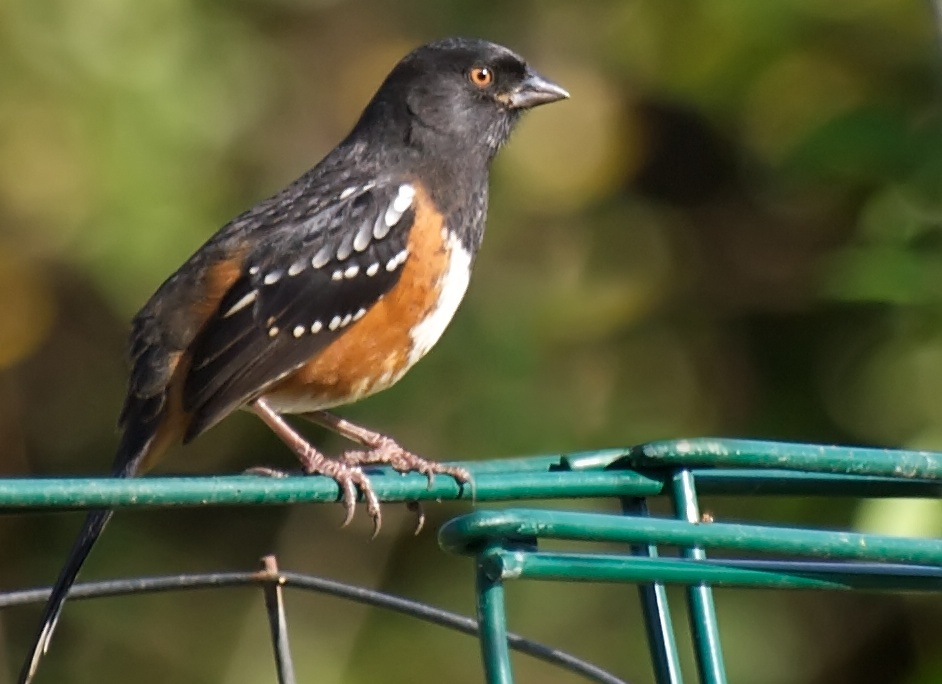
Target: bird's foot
386, 451
348, 476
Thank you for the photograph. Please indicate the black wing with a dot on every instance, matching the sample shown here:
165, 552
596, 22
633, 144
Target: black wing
313, 276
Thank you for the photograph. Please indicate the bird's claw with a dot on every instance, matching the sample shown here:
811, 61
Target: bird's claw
416, 507
388, 452
349, 498
349, 477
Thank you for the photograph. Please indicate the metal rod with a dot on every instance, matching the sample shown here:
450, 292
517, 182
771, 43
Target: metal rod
658, 625
702, 612
277, 620
492, 619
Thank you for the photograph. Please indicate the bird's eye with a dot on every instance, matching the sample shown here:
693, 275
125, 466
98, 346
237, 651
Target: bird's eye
481, 76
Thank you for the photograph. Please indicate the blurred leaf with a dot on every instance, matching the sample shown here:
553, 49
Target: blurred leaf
862, 145
881, 274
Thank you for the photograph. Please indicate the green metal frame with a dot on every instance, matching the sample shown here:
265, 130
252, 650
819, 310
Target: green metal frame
506, 543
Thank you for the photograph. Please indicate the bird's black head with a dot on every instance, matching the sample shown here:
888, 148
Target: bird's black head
458, 96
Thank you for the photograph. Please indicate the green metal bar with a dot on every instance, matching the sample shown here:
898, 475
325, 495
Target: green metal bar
492, 621
708, 465
753, 482
512, 479
470, 532
658, 624
850, 575
593, 460
31, 493
809, 457
543, 462
585, 567
701, 609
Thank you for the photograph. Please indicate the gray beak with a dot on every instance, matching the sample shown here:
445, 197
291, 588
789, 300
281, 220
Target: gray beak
535, 90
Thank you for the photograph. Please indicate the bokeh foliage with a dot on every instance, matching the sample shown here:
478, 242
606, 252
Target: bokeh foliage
732, 228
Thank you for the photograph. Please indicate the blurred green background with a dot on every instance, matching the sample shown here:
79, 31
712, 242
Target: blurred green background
733, 228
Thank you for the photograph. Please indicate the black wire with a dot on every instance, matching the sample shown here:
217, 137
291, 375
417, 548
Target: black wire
371, 597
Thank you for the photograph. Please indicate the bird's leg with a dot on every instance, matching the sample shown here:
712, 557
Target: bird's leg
383, 450
348, 476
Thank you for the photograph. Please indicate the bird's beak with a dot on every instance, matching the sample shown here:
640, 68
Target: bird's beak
535, 90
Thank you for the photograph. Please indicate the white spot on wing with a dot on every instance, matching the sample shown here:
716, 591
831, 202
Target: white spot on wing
347, 192
253, 270
241, 304
272, 278
346, 320
272, 331
317, 327
298, 331
345, 250
380, 229
336, 275
334, 323
351, 272
359, 314
397, 260
296, 268
362, 239
404, 198
372, 270
454, 284
321, 258
400, 204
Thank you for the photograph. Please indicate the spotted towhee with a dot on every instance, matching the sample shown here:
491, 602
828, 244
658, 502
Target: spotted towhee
332, 289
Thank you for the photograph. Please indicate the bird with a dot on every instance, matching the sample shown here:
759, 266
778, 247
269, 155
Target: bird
330, 290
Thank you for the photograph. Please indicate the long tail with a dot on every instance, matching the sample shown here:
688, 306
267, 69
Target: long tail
91, 530
134, 447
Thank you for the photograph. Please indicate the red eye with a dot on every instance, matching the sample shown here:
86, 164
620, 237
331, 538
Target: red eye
481, 76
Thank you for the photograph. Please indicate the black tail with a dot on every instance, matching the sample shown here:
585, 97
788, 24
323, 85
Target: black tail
134, 447
94, 524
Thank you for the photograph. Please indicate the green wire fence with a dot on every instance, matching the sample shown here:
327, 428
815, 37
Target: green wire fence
506, 545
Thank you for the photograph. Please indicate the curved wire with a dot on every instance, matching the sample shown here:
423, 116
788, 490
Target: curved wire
371, 597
